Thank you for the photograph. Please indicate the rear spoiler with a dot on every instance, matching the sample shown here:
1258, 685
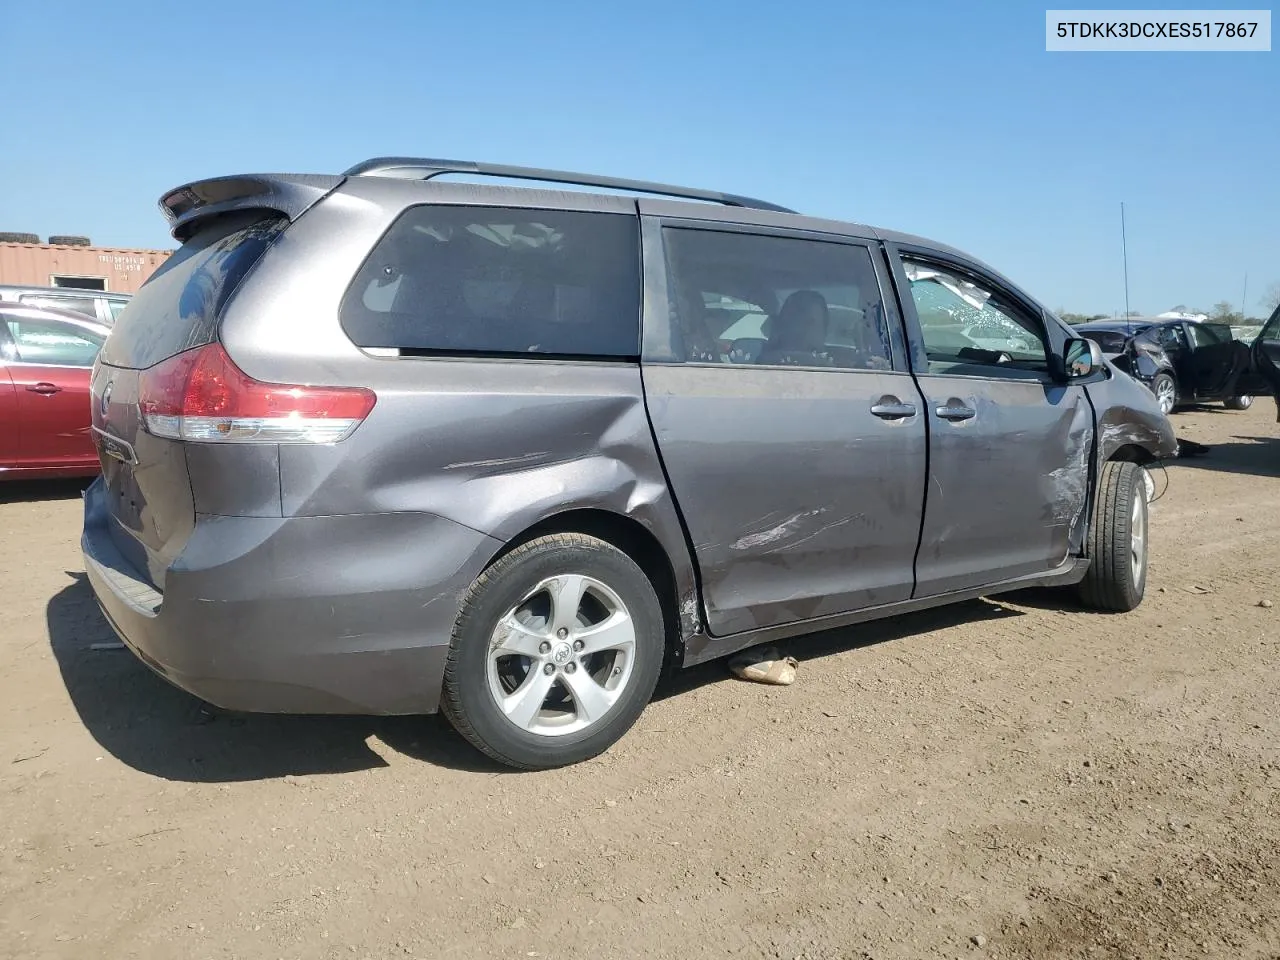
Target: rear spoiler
290, 194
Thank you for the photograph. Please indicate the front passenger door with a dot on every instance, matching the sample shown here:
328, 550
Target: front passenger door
10, 421
50, 370
1009, 445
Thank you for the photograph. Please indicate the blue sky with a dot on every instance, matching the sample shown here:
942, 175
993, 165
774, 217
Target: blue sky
945, 119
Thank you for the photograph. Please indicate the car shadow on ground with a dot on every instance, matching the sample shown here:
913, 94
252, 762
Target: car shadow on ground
158, 729
31, 491
1250, 456
152, 726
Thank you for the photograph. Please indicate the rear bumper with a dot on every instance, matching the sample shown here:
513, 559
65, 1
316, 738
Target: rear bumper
345, 614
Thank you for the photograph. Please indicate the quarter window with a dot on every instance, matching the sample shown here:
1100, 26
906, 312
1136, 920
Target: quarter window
491, 280
966, 323
742, 298
1171, 338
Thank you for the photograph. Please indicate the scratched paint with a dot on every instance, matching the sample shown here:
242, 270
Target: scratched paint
779, 532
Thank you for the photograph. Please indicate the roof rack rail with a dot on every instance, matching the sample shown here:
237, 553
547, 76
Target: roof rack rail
415, 168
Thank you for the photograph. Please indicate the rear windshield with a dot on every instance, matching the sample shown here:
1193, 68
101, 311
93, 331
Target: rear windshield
498, 281
85, 305
178, 306
1111, 341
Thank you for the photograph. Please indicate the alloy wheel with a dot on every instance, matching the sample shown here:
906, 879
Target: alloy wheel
1138, 538
560, 658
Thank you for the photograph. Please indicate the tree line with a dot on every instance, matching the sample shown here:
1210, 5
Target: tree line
1222, 312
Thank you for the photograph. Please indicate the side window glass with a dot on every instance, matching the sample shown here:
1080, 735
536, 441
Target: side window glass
505, 281
49, 342
964, 322
1205, 336
740, 298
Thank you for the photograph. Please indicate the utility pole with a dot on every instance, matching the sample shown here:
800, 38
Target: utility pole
1244, 298
1124, 252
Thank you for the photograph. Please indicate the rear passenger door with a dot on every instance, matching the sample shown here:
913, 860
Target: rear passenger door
1217, 359
790, 430
1009, 445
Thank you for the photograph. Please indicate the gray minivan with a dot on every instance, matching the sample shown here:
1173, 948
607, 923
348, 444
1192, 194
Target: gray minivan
389, 443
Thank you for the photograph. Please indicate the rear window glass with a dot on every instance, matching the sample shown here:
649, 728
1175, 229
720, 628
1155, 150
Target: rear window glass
85, 305
1110, 341
178, 306
492, 280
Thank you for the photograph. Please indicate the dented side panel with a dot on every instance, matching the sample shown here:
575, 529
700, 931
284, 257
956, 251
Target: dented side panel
1008, 488
497, 446
1128, 416
800, 503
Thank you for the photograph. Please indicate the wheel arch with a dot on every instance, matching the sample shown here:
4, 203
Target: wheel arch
640, 544
1132, 453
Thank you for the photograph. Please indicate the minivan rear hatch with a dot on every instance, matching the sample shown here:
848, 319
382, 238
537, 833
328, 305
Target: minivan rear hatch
148, 486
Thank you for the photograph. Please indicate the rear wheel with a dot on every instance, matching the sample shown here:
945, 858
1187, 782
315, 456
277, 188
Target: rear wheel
1166, 391
1117, 544
1238, 403
555, 654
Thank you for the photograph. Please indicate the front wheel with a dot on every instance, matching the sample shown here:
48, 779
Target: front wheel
1166, 391
1117, 543
555, 653
1238, 403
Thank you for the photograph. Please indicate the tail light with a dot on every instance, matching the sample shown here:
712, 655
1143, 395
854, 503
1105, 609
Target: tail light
202, 395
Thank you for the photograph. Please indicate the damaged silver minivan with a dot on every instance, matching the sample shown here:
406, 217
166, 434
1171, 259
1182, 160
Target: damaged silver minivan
388, 443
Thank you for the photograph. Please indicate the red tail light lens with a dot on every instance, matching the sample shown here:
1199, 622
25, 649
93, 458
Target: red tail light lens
201, 395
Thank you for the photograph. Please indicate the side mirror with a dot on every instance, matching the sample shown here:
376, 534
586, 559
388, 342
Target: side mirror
1082, 358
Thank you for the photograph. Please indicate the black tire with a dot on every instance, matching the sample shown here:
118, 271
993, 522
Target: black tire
1238, 403
467, 701
66, 241
19, 238
1164, 383
1112, 583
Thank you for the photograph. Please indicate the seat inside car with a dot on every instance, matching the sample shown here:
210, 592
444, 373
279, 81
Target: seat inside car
799, 334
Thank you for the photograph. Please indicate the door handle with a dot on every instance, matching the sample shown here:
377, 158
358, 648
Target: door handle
44, 388
891, 408
955, 411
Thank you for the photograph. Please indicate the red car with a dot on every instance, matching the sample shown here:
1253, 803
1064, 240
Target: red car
46, 357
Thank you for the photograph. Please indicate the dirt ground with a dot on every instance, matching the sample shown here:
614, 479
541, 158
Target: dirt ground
1000, 779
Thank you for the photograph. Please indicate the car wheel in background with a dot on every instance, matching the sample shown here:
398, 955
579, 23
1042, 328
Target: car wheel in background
555, 653
1166, 392
1117, 543
1238, 403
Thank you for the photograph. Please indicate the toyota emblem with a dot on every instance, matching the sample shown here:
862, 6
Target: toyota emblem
105, 401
